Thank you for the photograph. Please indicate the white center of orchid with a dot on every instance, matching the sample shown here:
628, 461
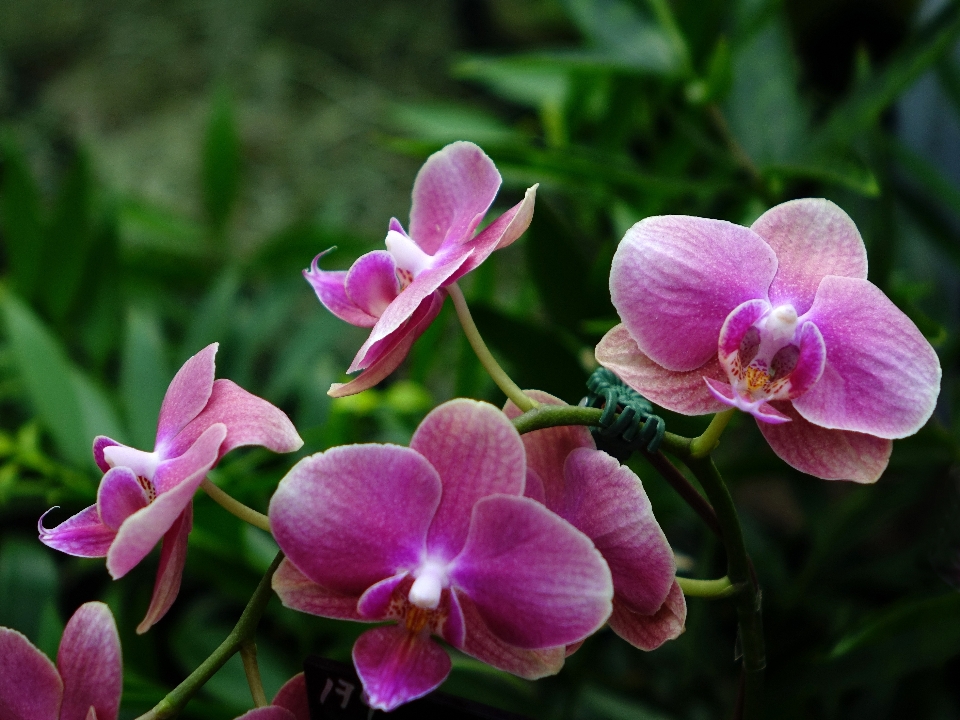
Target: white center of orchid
428, 586
143, 464
408, 256
780, 326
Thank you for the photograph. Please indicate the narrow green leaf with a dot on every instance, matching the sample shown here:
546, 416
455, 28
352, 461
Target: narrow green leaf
143, 376
212, 320
22, 219
221, 163
28, 586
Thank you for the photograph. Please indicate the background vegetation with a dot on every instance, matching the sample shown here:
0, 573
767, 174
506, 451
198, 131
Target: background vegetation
168, 168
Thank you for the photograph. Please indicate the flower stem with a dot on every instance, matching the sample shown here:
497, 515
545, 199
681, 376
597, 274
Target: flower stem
704, 444
711, 589
685, 489
242, 633
248, 653
502, 380
739, 572
235, 507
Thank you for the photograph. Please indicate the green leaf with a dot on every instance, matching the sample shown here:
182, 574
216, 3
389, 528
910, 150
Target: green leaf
524, 80
596, 703
221, 163
447, 123
28, 589
144, 376
69, 239
211, 321
22, 218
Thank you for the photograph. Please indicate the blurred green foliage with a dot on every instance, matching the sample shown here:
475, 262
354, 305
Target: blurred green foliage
620, 109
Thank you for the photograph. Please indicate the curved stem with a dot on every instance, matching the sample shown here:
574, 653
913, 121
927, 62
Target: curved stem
685, 489
712, 589
242, 632
248, 654
497, 373
705, 443
235, 507
739, 571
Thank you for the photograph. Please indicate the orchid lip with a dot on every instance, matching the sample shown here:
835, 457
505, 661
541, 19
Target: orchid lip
143, 464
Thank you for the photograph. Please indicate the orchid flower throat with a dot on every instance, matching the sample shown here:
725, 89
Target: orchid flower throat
419, 608
770, 353
143, 464
411, 260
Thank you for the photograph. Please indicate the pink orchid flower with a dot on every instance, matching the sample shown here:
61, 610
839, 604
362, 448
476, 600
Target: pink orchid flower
290, 703
779, 321
439, 538
399, 291
146, 496
86, 682
606, 501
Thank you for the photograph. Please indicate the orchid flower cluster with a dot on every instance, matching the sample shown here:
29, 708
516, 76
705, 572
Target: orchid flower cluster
506, 532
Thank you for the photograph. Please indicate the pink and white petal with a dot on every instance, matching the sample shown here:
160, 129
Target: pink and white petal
648, 632
810, 363
767, 414
760, 409
607, 503
480, 642
736, 325
548, 449
187, 393
269, 713
453, 627
502, 232
293, 697
371, 283
405, 306
374, 604
682, 392
812, 238
393, 351
250, 420
90, 664
477, 452
298, 592
354, 515
452, 192
173, 557
329, 285
182, 475
882, 377
30, 686
99, 443
675, 279
824, 453
534, 487
119, 496
397, 666
83, 535
537, 581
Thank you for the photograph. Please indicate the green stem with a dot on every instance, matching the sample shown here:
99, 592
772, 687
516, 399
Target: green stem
705, 443
739, 572
711, 589
235, 507
248, 654
242, 633
503, 381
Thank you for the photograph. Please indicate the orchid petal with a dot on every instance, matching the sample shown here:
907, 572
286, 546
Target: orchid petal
480, 642
394, 349
329, 285
270, 712
354, 515
534, 487
250, 420
298, 592
675, 279
536, 580
740, 319
812, 238
173, 557
827, 454
371, 283
187, 394
451, 194
502, 232
648, 632
881, 377
547, 450
454, 628
760, 409
810, 363
374, 604
606, 502
397, 666
293, 697
119, 496
83, 535
182, 475
90, 664
30, 686
477, 452
99, 443
682, 392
